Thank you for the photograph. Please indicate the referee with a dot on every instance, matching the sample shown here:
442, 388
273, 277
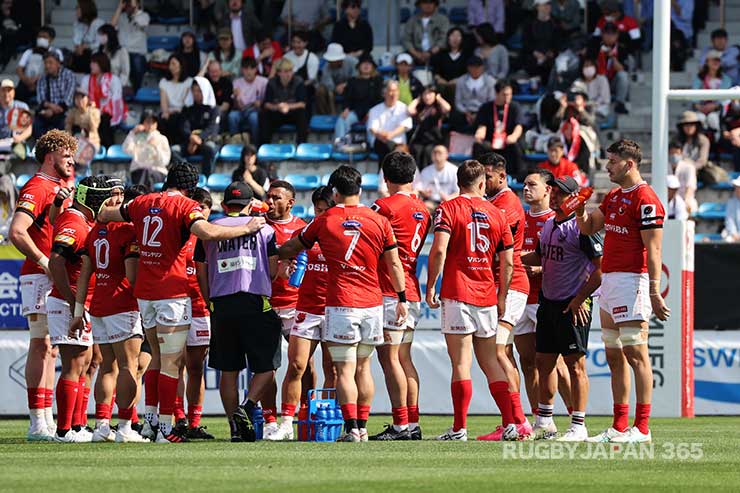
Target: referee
239, 284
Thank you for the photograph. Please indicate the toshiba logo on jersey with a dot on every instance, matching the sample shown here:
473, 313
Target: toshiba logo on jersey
318, 267
622, 230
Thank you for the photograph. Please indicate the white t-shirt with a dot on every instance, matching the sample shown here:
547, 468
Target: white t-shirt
176, 92
425, 41
381, 117
132, 32
298, 61
438, 182
33, 63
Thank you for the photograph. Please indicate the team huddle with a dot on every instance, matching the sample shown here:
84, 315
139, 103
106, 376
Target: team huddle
141, 286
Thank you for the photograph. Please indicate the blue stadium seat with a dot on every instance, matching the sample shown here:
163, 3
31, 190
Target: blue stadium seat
218, 182
344, 156
202, 180
535, 156
387, 69
370, 181
325, 179
207, 45
167, 43
527, 98
276, 152
725, 185
230, 152
299, 210
303, 183
115, 154
459, 158
705, 237
359, 127
22, 180
288, 128
458, 15
194, 158
147, 95
711, 211
178, 20
100, 155
322, 123
313, 152
514, 184
610, 122
310, 214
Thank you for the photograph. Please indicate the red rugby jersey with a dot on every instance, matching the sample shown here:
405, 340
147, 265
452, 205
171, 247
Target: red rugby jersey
532, 229
509, 203
283, 294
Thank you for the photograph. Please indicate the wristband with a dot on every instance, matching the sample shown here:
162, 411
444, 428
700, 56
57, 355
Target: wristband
401, 296
43, 262
79, 309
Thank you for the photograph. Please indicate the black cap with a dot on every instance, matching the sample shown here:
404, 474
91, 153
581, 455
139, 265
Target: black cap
475, 61
366, 58
238, 193
567, 184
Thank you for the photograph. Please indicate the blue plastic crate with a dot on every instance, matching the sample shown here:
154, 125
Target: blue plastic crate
324, 421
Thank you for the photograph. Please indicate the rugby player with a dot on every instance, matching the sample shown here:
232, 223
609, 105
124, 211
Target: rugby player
71, 230
307, 328
238, 282
163, 223
410, 221
500, 195
632, 216
280, 200
537, 196
353, 238
571, 272
44, 196
468, 232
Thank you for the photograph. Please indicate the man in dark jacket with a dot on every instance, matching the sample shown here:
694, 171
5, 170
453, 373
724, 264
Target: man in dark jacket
199, 124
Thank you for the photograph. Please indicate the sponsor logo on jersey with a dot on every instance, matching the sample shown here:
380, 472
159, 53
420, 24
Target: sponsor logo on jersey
647, 214
479, 216
202, 333
103, 232
27, 195
351, 224
25, 204
626, 201
419, 216
64, 239
196, 215
154, 210
622, 230
619, 309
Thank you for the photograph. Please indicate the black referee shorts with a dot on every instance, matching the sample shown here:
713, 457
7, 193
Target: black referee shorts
556, 332
244, 328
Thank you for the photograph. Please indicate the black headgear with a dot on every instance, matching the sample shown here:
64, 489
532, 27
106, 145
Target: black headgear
92, 192
182, 176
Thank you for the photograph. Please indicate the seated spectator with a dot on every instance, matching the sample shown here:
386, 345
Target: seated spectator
249, 92
499, 128
85, 35
362, 93
685, 172
352, 32
449, 64
31, 64
285, 103
427, 110
8, 198
487, 12
226, 55
556, 162
83, 121
199, 126
310, 16
425, 33
566, 66
437, 183
173, 89
597, 88
388, 122
540, 42
339, 69
189, 53
567, 16
682, 12
223, 89
266, 52
471, 92
730, 60
240, 18
305, 63
731, 130
54, 93
494, 54
575, 146
611, 61
409, 86
695, 144
711, 76
575, 103
131, 22
150, 151
120, 62
613, 12
106, 92
732, 214
251, 173
12, 139
676, 207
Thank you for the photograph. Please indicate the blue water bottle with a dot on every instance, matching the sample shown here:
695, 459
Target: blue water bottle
321, 425
300, 269
258, 420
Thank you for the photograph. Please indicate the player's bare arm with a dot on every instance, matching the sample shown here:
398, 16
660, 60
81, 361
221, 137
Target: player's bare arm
506, 273
213, 232
532, 264
77, 324
437, 254
60, 279
589, 224
20, 239
110, 214
577, 305
287, 250
201, 273
398, 280
274, 265
131, 266
653, 240
57, 207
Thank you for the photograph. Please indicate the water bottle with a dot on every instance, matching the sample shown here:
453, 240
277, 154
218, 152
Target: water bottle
300, 269
259, 421
321, 416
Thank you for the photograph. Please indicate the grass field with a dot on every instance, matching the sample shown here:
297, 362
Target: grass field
403, 466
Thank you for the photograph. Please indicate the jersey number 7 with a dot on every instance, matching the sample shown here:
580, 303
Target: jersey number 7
355, 234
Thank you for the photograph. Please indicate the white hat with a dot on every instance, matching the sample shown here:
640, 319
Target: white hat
334, 53
404, 58
714, 54
540, 2
736, 182
7, 83
672, 182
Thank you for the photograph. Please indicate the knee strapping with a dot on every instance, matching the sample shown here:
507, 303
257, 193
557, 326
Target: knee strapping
343, 353
365, 350
611, 338
172, 343
632, 336
38, 326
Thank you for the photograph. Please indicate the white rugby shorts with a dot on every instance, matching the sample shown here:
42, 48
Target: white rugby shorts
528, 323
199, 333
286, 315
173, 312
35, 288
59, 317
389, 314
625, 296
345, 325
462, 318
308, 326
117, 327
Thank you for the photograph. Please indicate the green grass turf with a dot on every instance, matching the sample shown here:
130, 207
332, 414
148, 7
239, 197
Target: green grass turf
367, 467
